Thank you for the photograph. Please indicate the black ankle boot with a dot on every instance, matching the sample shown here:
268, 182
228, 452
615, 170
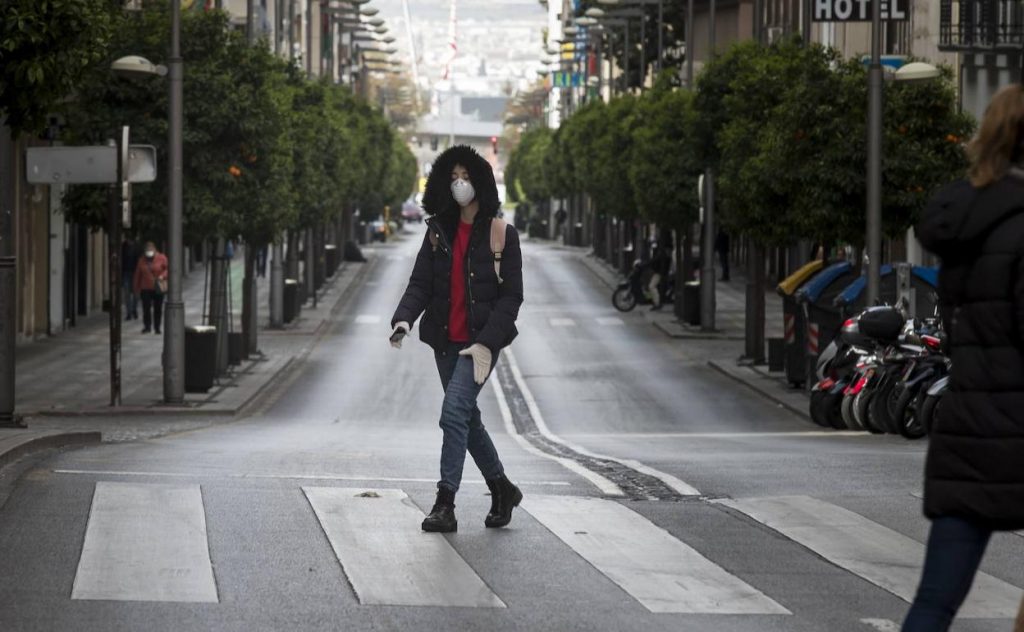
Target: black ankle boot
504, 497
442, 517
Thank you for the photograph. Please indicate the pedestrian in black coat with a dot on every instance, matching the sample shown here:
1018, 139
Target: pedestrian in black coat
469, 309
974, 473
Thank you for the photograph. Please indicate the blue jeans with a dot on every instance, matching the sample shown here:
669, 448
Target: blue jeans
955, 547
460, 419
131, 305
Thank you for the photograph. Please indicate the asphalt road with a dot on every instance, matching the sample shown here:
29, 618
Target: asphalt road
305, 515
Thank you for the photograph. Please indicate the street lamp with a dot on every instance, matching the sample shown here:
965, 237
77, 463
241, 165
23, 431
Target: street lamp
134, 67
915, 71
661, 21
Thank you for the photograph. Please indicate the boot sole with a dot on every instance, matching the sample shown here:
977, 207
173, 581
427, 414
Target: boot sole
433, 529
491, 524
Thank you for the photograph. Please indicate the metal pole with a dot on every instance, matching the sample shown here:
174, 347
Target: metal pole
625, 53
711, 30
661, 27
8, 279
309, 37
250, 15
689, 46
707, 268
114, 272
174, 310
277, 286
874, 175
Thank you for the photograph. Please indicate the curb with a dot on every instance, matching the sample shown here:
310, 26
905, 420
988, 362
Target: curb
36, 442
767, 394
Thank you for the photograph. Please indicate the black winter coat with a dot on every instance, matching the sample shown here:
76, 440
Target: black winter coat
975, 463
491, 308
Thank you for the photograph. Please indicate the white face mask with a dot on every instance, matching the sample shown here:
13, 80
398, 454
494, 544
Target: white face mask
463, 191
150, 254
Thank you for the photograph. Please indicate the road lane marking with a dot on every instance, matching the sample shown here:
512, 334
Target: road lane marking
715, 435
146, 542
888, 559
672, 482
610, 321
652, 566
883, 625
309, 477
376, 536
562, 322
367, 319
606, 487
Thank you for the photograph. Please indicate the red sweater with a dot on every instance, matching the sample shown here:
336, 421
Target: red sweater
146, 280
458, 318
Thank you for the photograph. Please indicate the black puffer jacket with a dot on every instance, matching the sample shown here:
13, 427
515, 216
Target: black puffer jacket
975, 464
492, 307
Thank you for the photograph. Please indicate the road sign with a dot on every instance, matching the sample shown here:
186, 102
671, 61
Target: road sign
858, 10
87, 165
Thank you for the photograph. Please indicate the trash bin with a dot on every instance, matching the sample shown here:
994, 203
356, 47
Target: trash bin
200, 358
236, 348
691, 302
331, 259
822, 318
923, 283
794, 323
291, 300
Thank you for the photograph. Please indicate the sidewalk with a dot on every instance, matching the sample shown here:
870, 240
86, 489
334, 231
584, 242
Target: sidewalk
724, 347
68, 375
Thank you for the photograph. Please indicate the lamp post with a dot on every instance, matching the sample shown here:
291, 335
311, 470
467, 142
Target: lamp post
661, 23
174, 310
916, 71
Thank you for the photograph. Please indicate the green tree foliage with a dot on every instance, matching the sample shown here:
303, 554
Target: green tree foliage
526, 171
45, 48
265, 149
663, 170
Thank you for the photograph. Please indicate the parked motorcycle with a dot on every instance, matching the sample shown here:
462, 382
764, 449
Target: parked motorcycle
633, 291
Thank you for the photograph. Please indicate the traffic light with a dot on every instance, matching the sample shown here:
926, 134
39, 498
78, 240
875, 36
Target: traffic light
433, 143
494, 144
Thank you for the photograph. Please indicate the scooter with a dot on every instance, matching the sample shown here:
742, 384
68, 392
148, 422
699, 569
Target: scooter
633, 291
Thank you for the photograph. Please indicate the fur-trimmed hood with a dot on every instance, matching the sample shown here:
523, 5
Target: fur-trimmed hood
437, 198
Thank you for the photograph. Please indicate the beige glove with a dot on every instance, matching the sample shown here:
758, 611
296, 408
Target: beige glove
399, 332
481, 361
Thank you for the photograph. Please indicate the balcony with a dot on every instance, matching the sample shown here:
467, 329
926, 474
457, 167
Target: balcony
979, 26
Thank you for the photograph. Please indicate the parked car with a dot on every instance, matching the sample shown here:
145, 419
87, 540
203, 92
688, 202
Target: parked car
411, 211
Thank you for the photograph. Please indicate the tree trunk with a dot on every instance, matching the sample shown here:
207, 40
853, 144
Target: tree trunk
250, 316
219, 316
755, 308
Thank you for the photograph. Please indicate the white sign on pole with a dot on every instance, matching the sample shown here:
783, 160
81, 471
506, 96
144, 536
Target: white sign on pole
87, 165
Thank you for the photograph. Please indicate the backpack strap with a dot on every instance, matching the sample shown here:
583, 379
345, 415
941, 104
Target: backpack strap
498, 227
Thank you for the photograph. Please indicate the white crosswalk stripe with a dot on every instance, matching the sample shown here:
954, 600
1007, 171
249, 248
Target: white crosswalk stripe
610, 321
562, 322
874, 552
367, 319
387, 560
146, 542
647, 562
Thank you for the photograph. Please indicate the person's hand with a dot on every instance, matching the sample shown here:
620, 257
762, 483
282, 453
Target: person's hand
399, 332
481, 361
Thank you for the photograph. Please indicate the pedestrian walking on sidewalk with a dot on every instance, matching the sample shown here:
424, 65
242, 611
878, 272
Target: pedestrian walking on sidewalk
722, 248
150, 284
974, 483
467, 283
129, 261
660, 265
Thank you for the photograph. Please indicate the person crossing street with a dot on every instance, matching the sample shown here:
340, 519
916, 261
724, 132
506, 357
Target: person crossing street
467, 283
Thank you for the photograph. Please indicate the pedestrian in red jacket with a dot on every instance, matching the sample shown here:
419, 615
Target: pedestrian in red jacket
150, 283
